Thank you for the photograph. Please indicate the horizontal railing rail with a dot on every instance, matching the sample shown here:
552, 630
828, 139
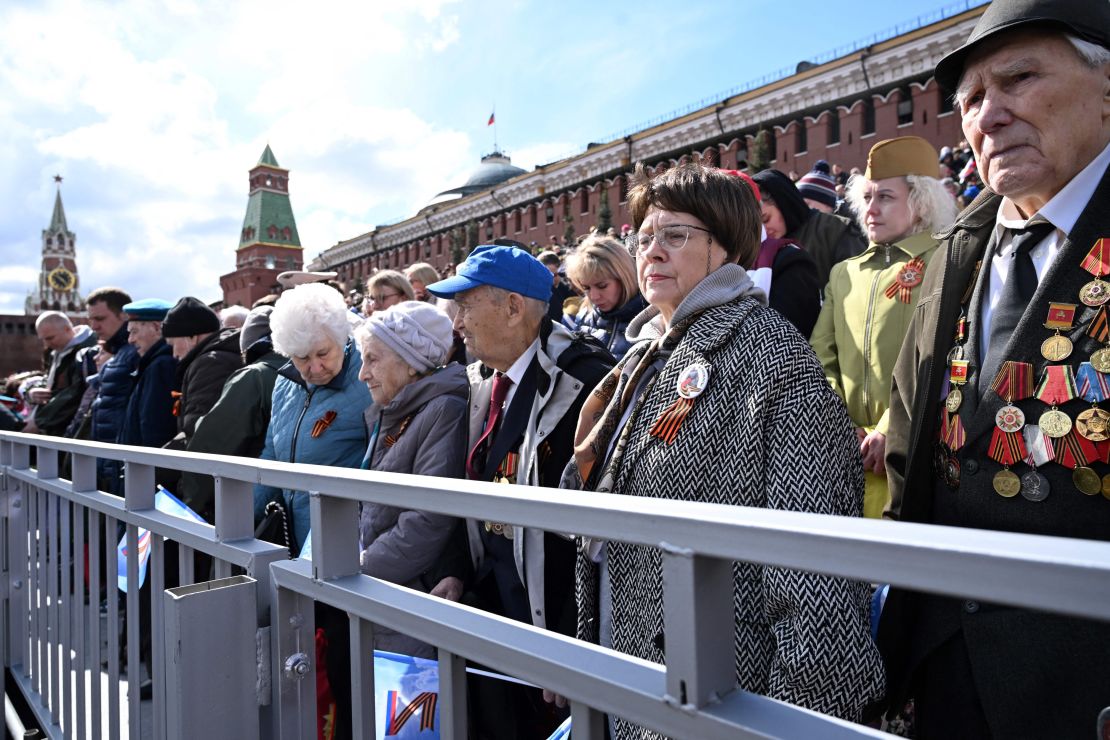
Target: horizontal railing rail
693, 694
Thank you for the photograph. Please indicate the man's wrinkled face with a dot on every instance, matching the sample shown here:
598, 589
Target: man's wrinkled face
1034, 112
144, 334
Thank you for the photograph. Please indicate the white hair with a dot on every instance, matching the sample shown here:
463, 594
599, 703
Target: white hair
302, 314
534, 309
52, 317
932, 206
234, 316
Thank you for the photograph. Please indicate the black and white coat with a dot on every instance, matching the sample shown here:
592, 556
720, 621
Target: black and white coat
768, 432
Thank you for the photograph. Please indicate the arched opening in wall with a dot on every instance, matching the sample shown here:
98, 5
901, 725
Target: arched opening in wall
584, 201
532, 216
518, 221
868, 117
504, 225
549, 213
801, 138
905, 106
489, 230
834, 127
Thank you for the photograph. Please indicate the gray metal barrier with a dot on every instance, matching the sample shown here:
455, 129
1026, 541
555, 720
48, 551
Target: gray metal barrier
1047, 573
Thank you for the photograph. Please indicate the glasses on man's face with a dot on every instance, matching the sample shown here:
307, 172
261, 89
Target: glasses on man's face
382, 297
672, 236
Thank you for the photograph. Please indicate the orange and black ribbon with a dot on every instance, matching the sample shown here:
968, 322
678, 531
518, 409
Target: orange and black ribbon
323, 423
391, 439
909, 277
176, 396
666, 426
1099, 330
1097, 261
952, 432
1073, 450
1007, 448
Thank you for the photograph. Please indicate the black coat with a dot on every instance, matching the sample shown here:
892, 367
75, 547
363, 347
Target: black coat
149, 421
794, 290
1035, 674
201, 375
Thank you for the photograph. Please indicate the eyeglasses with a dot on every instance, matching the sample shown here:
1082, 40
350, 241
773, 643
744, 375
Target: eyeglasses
380, 299
672, 237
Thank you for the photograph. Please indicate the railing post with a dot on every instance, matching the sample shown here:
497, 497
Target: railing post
84, 473
47, 462
699, 627
234, 509
452, 694
293, 640
334, 537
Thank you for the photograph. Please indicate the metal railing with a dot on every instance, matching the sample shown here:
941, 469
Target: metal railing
42, 596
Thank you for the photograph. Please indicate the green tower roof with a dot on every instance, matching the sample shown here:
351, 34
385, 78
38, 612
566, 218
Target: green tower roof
269, 218
268, 157
58, 220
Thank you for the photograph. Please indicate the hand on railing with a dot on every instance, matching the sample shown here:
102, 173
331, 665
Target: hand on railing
552, 698
449, 588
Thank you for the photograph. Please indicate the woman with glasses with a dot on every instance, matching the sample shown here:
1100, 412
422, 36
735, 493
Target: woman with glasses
721, 401
605, 273
386, 288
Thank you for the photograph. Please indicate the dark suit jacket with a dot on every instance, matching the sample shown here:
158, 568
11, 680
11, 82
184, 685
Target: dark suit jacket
1036, 675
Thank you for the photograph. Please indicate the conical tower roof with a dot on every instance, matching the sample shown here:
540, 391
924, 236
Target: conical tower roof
58, 220
268, 157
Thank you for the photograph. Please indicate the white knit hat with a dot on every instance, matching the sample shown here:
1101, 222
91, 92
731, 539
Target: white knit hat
420, 333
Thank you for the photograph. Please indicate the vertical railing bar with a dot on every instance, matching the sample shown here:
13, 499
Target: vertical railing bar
96, 530
362, 677
586, 722
37, 614
79, 619
111, 571
65, 616
157, 577
223, 569
185, 565
53, 676
452, 694
134, 626
18, 615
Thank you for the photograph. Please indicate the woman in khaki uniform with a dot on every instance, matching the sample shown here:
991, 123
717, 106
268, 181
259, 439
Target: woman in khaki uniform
870, 298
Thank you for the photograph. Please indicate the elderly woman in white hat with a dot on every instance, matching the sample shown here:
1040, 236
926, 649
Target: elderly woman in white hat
418, 425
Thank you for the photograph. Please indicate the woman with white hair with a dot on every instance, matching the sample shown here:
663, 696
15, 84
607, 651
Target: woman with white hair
870, 298
318, 401
417, 425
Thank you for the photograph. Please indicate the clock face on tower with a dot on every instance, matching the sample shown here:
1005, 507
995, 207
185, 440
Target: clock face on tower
61, 279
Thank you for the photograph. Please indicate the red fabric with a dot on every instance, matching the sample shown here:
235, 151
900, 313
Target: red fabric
490, 122
770, 249
325, 701
501, 385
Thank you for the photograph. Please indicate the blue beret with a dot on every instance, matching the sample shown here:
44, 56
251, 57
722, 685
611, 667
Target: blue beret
148, 309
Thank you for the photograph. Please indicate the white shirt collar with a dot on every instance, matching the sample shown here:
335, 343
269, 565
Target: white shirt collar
1064, 209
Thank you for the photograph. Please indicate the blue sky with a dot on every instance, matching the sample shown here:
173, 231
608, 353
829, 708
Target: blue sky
154, 112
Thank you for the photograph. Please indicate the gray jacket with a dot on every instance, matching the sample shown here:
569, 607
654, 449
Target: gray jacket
399, 544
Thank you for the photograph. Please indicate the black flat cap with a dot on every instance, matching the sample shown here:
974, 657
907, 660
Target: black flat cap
1087, 19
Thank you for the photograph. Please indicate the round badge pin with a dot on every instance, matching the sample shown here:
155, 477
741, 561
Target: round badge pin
1034, 486
693, 381
1009, 419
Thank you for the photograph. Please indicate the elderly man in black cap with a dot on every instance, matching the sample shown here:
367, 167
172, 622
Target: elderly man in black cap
995, 419
206, 357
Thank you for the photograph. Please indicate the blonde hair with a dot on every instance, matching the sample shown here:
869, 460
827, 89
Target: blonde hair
423, 272
931, 205
390, 279
599, 257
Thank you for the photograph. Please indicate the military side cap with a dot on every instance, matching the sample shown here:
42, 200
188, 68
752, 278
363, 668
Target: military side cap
148, 309
1087, 19
906, 155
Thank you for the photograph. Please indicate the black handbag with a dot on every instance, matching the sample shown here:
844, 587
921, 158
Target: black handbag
274, 526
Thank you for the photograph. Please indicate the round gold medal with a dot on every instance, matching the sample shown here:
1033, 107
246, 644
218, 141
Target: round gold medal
1095, 293
1100, 360
1055, 423
1006, 483
953, 401
1094, 424
1087, 481
1056, 348
1106, 486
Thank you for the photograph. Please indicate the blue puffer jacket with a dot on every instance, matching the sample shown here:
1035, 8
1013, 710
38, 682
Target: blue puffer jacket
150, 421
608, 327
296, 408
117, 380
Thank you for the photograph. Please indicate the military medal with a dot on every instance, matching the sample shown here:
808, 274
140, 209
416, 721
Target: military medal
1094, 423
1057, 386
691, 382
1061, 316
1075, 452
1009, 419
1096, 292
1006, 448
909, 277
1039, 451
957, 376
1006, 483
1106, 486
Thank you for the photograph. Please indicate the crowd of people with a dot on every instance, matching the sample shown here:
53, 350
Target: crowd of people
853, 344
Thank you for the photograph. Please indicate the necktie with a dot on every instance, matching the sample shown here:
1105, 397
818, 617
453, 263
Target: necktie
1017, 292
475, 461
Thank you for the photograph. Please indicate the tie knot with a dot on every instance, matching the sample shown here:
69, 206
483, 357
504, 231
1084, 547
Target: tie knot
501, 384
1025, 239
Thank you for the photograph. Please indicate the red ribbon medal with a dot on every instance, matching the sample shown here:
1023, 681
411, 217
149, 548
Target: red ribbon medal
323, 423
1057, 385
1074, 451
691, 383
1007, 448
909, 277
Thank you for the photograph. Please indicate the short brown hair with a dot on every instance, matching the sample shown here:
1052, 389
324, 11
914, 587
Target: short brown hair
722, 202
114, 298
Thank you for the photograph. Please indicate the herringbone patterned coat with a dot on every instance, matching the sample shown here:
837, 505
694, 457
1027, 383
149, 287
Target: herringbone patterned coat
767, 432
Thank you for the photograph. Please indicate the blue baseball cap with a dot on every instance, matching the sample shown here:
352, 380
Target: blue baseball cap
148, 309
509, 268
